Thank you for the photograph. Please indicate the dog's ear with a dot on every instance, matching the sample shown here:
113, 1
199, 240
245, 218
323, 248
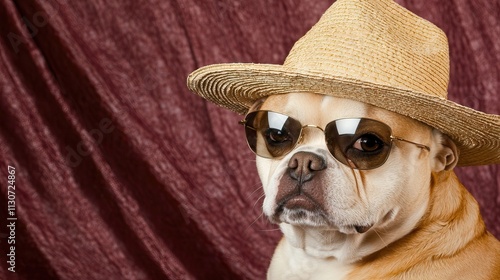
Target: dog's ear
446, 157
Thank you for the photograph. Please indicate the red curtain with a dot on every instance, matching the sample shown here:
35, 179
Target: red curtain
122, 173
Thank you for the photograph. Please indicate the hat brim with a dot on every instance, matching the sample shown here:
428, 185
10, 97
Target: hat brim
237, 86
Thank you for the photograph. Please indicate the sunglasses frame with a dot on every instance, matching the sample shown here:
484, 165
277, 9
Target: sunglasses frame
391, 137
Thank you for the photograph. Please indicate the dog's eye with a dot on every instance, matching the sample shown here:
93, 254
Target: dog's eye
368, 143
276, 136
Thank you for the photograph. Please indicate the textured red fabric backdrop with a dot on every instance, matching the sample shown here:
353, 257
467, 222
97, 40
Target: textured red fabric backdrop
121, 173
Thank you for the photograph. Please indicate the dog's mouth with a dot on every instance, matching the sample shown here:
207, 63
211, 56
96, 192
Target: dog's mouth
299, 209
299, 201
302, 209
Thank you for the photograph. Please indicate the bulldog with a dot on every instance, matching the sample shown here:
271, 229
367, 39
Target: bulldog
360, 192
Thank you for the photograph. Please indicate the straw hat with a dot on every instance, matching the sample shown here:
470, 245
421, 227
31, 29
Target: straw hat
373, 51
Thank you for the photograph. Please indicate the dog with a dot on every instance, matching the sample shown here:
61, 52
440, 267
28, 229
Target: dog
407, 219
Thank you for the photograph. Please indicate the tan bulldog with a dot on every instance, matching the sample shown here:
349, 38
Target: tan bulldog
409, 218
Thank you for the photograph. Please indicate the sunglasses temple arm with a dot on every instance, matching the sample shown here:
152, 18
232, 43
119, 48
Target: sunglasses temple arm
416, 144
244, 123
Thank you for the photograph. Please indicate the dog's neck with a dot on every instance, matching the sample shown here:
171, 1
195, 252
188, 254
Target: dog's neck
428, 224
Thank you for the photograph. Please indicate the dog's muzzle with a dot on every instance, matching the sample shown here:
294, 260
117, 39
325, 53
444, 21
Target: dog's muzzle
298, 193
300, 196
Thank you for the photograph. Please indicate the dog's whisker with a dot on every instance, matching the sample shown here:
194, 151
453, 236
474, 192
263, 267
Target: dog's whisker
272, 229
254, 221
260, 197
257, 189
381, 239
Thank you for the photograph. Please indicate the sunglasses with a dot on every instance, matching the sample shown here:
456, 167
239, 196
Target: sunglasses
359, 143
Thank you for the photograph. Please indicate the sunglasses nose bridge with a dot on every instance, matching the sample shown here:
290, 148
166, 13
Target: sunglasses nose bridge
313, 126
301, 137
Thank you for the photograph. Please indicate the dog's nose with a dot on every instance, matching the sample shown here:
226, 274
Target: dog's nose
303, 165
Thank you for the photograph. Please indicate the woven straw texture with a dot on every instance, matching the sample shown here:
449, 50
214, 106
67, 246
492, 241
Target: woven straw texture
375, 52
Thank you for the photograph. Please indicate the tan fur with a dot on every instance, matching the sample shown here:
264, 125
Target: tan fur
451, 242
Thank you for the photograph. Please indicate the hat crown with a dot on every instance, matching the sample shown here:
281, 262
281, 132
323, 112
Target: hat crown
375, 41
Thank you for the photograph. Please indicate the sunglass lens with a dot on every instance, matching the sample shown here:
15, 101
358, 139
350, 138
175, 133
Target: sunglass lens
271, 134
359, 143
